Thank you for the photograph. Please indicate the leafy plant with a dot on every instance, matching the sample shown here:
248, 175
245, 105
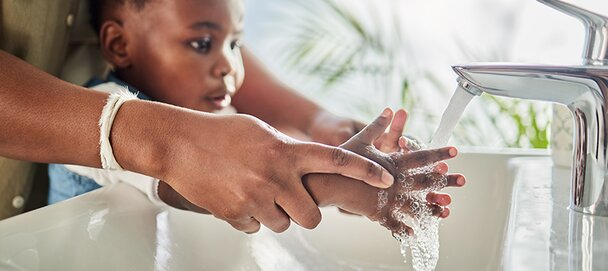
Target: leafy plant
338, 44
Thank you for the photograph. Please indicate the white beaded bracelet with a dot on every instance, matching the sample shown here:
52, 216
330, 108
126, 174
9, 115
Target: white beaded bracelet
115, 101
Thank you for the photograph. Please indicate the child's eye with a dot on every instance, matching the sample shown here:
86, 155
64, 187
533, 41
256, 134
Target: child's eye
202, 45
235, 44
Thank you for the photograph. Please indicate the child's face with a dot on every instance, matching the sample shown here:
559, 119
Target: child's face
186, 52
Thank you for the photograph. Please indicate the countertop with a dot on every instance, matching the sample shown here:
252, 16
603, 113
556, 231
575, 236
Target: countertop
544, 234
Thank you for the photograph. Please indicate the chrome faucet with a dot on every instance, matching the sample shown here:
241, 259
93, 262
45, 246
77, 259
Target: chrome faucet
583, 89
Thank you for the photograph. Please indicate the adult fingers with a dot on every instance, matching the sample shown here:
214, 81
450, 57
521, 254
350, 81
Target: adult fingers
373, 130
423, 157
274, 218
328, 159
248, 225
300, 206
390, 143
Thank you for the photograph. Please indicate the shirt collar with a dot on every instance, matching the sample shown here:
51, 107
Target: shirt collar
113, 78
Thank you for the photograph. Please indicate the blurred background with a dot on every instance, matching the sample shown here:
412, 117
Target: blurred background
356, 57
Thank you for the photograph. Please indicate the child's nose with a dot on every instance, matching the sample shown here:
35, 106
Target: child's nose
228, 62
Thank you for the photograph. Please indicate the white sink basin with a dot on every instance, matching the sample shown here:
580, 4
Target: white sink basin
115, 228
472, 238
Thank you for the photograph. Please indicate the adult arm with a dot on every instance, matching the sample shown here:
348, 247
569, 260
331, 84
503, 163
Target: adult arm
233, 166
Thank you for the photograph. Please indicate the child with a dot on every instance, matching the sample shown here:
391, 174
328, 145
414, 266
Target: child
184, 53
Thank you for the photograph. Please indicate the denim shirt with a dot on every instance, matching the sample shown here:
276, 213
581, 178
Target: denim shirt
65, 184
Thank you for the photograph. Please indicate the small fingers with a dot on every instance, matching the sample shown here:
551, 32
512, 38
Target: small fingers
437, 210
403, 144
409, 144
373, 130
390, 142
397, 227
358, 126
441, 211
456, 180
424, 181
403, 228
441, 168
398, 123
445, 213
440, 199
380, 141
423, 157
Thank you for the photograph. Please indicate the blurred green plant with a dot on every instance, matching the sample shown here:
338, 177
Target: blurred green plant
529, 130
336, 43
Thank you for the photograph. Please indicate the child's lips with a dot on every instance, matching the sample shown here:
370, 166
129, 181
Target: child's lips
220, 102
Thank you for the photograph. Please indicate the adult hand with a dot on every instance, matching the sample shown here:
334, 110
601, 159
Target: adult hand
249, 173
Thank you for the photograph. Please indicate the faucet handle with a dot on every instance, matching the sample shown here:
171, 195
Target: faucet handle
596, 27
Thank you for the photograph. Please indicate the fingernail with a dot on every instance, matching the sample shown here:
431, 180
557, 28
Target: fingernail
386, 113
410, 231
387, 178
402, 142
453, 152
460, 181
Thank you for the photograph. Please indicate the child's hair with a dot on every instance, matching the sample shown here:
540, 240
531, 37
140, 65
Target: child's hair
97, 7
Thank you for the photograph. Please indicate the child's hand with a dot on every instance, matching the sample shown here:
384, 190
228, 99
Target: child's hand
334, 130
331, 129
389, 142
398, 159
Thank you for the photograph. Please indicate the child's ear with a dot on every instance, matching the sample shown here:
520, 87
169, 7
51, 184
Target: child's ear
113, 43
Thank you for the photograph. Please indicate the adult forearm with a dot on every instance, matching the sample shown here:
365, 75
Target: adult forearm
44, 119
265, 97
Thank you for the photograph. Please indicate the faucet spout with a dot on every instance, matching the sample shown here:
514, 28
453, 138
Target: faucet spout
584, 90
